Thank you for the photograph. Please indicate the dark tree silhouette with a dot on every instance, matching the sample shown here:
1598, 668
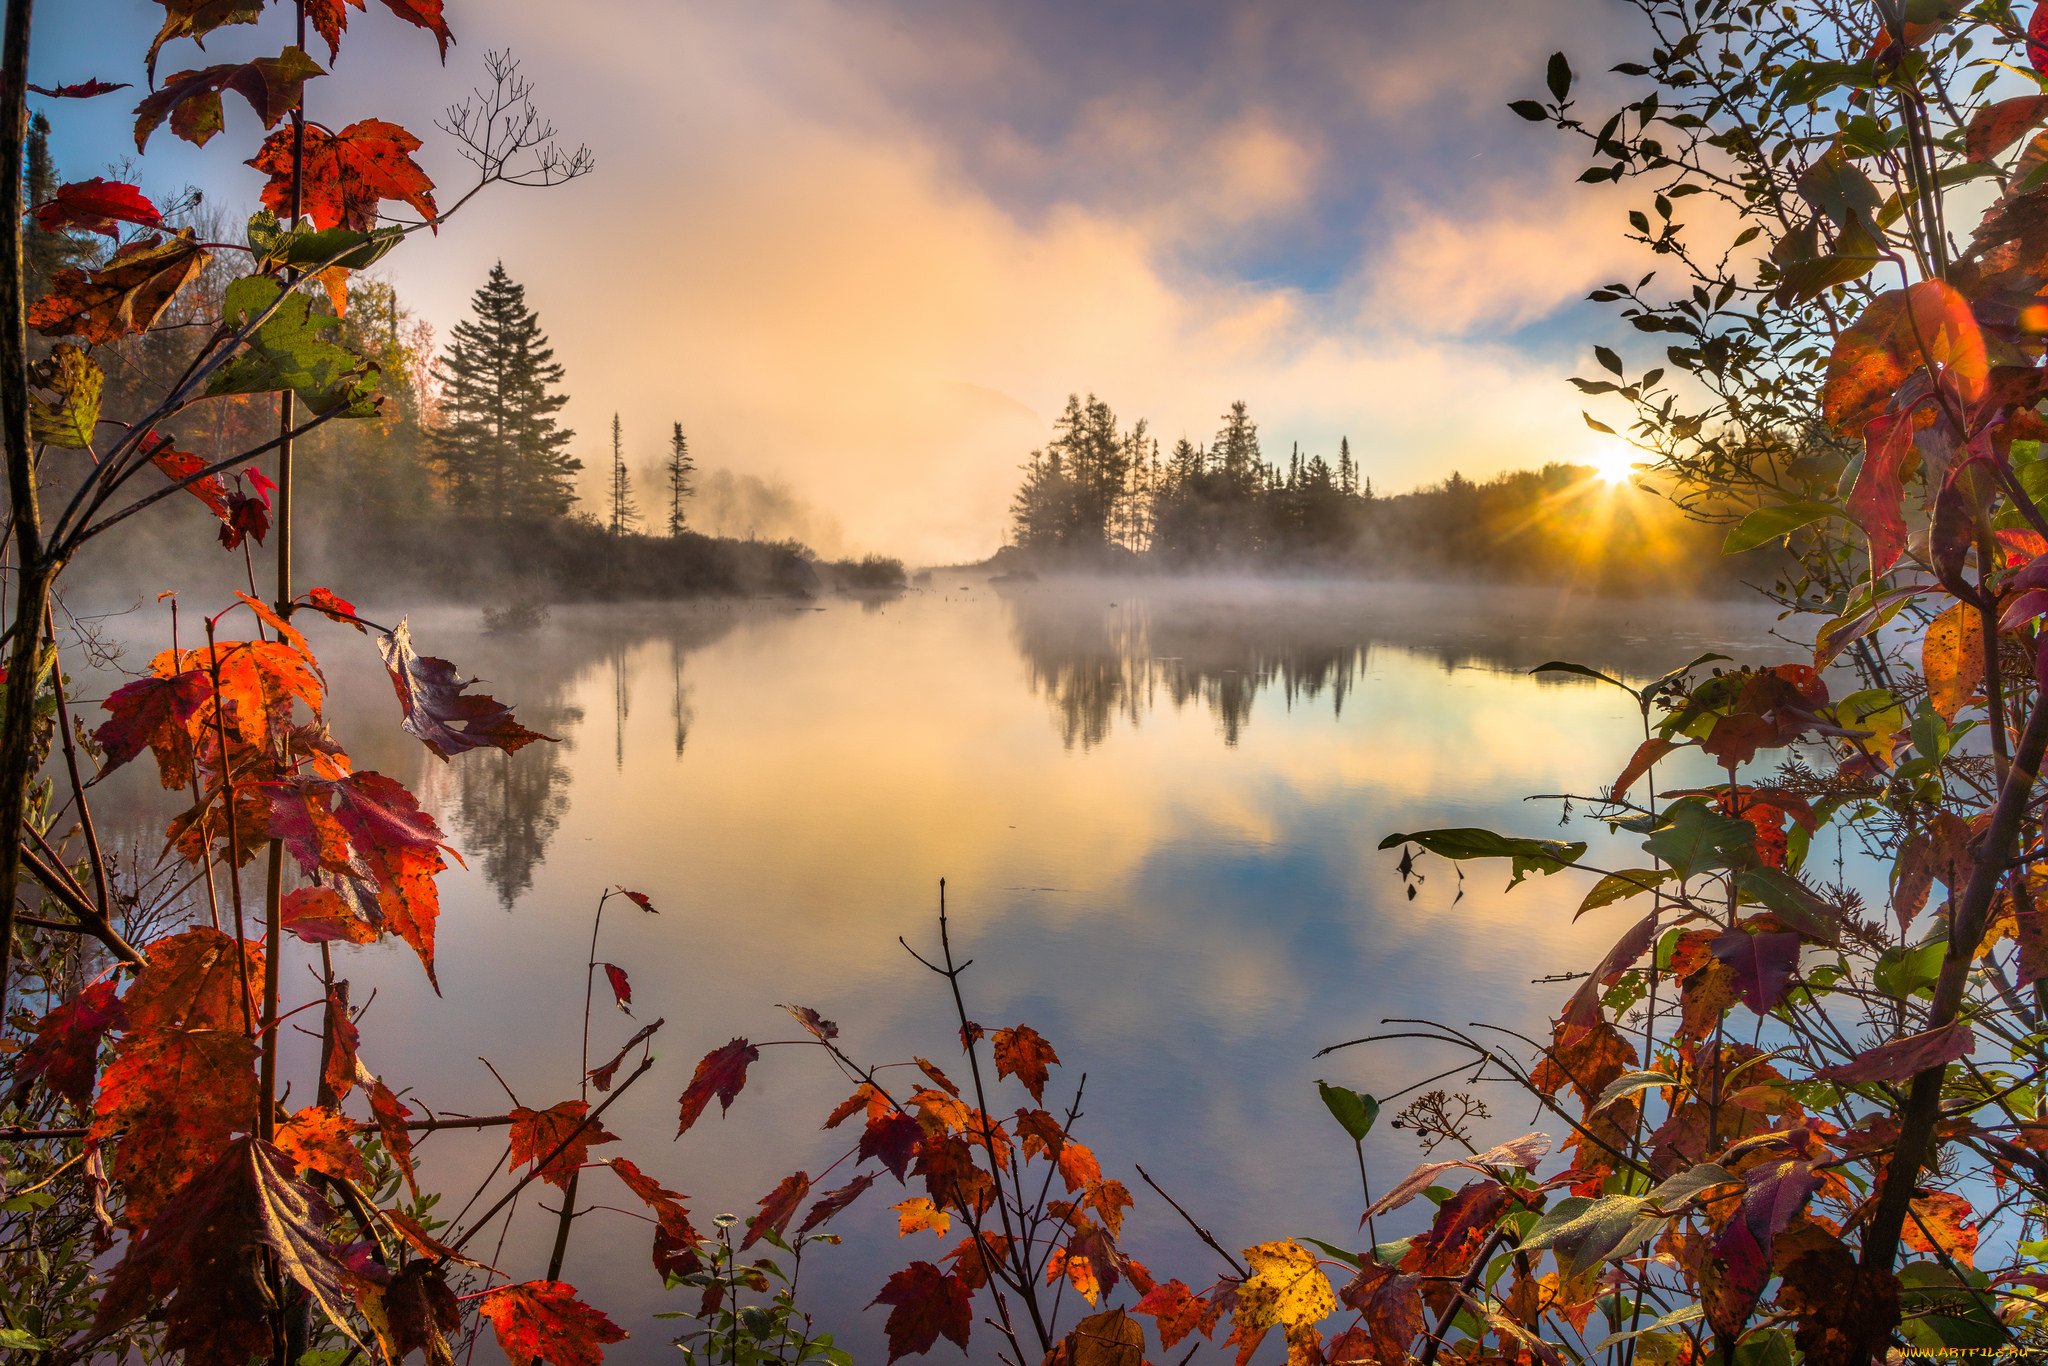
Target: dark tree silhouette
498, 447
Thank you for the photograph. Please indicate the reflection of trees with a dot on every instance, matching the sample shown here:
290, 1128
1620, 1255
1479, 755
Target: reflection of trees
1098, 651
508, 806
1094, 666
505, 808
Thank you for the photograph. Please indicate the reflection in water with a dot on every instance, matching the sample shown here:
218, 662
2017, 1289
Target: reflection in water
1096, 667
1100, 652
679, 708
508, 806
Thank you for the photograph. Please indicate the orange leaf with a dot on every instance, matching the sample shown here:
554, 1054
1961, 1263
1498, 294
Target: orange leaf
347, 174
323, 1140
1023, 1053
536, 1134
125, 296
919, 1213
1952, 658
544, 1321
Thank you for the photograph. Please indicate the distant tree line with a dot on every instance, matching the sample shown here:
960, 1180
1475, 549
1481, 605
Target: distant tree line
1102, 496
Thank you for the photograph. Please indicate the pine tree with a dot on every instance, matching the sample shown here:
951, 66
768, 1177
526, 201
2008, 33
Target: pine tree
43, 254
681, 471
624, 511
498, 447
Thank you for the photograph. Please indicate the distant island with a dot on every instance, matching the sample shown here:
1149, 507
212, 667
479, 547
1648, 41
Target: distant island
1101, 498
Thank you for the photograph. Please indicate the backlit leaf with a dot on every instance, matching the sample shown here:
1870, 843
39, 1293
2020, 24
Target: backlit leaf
778, 1207
96, 205
544, 1321
291, 351
347, 174
125, 296
72, 410
273, 86
1952, 658
557, 1136
721, 1072
1023, 1053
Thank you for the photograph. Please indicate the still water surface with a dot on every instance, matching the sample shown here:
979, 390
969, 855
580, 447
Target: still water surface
1156, 810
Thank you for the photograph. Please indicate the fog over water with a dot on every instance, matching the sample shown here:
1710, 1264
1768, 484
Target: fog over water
1156, 807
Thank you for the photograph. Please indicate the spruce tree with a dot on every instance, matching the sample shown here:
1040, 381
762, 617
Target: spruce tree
624, 511
681, 470
43, 254
498, 447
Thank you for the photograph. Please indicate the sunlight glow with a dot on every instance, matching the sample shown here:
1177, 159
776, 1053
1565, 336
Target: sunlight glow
1613, 462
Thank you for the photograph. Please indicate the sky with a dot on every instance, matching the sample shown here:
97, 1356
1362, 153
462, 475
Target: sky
868, 247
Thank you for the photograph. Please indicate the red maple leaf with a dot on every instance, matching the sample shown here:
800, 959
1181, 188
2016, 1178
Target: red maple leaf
1023, 1053
891, 1138
96, 205
778, 1207
622, 989
832, 1202
347, 174
537, 1134
64, 1054
544, 1321
82, 90
154, 714
721, 1072
675, 1240
180, 466
925, 1304
391, 1114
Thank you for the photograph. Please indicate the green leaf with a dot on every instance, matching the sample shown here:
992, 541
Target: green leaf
75, 379
1696, 839
1621, 886
1529, 855
1629, 1083
1350, 1259
1584, 1233
315, 248
289, 351
21, 1340
1768, 524
1788, 899
1901, 973
1354, 1110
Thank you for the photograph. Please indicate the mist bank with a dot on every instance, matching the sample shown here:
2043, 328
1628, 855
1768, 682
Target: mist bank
490, 563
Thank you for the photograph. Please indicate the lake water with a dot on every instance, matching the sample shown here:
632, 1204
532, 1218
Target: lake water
1157, 811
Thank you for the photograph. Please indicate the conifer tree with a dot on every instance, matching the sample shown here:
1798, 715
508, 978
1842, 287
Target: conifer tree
681, 471
624, 511
43, 254
498, 447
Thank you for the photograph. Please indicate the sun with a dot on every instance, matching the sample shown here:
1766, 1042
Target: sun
1613, 462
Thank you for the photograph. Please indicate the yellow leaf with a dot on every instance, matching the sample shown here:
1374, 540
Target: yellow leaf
921, 1213
1286, 1287
1952, 659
